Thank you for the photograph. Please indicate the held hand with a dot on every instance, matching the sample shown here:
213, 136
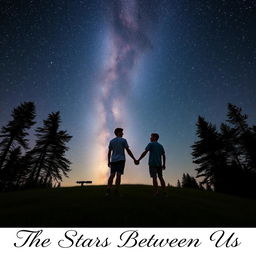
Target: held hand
136, 162
163, 167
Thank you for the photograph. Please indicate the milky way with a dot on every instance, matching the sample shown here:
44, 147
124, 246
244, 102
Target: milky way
128, 40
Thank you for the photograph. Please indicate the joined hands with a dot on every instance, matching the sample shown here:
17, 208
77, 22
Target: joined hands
136, 162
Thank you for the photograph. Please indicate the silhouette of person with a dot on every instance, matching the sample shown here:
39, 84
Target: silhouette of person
156, 153
116, 151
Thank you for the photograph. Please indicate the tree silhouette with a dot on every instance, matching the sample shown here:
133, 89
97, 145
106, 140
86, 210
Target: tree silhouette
189, 181
15, 170
49, 162
230, 140
236, 118
178, 184
227, 159
10, 169
208, 187
201, 187
14, 132
209, 155
57, 164
246, 135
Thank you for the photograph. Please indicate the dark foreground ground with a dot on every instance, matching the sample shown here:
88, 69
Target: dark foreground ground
137, 207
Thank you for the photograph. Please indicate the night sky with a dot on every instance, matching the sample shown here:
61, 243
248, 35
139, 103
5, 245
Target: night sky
147, 66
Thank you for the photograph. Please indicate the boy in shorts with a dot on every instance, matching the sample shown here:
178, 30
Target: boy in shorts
156, 153
116, 152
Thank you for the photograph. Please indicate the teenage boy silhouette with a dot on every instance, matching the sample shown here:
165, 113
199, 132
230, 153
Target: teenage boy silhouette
116, 159
156, 154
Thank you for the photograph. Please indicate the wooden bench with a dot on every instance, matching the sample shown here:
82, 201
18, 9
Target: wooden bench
82, 182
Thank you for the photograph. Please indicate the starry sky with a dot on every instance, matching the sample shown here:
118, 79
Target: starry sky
144, 65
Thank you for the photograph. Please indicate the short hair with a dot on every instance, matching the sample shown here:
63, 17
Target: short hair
117, 130
156, 135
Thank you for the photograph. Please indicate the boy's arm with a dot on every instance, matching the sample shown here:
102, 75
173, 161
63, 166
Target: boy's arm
164, 160
109, 155
143, 154
130, 153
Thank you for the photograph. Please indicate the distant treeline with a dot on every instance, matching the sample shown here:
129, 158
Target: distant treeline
226, 157
45, 164
189, 181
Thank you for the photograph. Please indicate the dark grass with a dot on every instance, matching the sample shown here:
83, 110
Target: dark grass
137, 207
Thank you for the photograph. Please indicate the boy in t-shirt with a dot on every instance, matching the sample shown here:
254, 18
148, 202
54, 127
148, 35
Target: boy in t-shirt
156, 153
116, 152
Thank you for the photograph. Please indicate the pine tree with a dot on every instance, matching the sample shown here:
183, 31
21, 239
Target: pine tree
189, 181
49, 152
194, 183
201, 187
208, 153
227, 159
15, 170
246, 135
10, 169
236, 118
208, 187
230, 139
14, 133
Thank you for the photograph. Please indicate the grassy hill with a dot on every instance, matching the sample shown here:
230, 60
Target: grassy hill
137, 207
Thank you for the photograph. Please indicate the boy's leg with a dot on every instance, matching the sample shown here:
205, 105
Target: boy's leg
110, 182
155, 184
120, 171
110, 179
162, 183
118, 181
153, 175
